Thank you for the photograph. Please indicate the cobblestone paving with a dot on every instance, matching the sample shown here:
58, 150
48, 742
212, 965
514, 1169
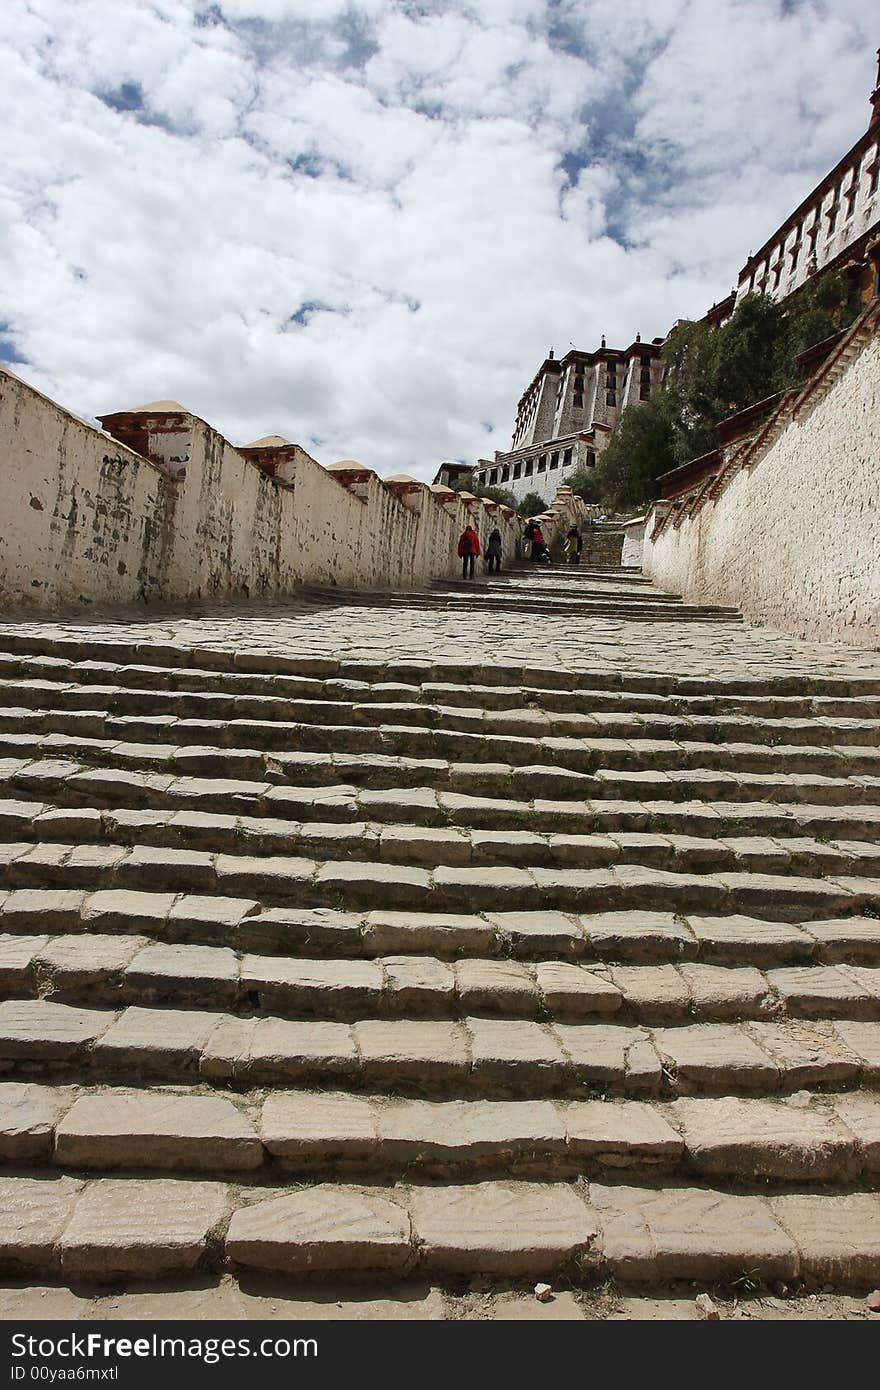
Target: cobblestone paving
443, 941
468, 635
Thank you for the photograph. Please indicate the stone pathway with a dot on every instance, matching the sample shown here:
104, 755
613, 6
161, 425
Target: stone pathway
522, 930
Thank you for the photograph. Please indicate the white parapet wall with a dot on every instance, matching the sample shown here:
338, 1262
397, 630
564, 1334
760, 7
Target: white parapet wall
633, 541
792, 537
90, 521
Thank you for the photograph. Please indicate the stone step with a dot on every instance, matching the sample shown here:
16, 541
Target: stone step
827, 1138
273, 689
420, 808
431, 846
95, 968
351, 785
475, 1055
274, 722
635, 938
122, 1229
638, 607
310, 882
157, 654
32, 708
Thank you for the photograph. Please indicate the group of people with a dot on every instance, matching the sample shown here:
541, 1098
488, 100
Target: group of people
469, 549
538, 550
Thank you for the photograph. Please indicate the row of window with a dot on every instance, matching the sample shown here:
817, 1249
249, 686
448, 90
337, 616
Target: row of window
769, 275
525, 468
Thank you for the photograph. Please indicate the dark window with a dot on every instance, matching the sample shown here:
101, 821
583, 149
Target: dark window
850, 198
644, 390
493, 477
554, 459
578, 402
530, 465
610, 398
831, 214
875, 177
567, 457
542, 463
517, 469
591, 459
777, 274
505, 473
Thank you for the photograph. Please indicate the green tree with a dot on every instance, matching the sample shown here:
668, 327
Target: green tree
584, 483
493, 494
532, 505
641, 448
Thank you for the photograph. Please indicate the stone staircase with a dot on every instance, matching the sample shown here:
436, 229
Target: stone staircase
324, 967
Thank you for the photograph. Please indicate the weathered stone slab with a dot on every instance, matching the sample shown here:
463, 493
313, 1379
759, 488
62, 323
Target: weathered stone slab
690, 1233
463, 1131
121, 910
519, 1052
322, 1228
327, 986
90, 960
17, 955
502, 986
157, 1041
770, 1139
807, 1052
599, 1051
620, 1134
737, 938
285, 1050
716, 1055
824, 991
531, 933
725, 991
156, 1130
572, 989
28, 1115
406, 1050
124, 1228
637, 936
325, 1125
860, 1112
35, 1029
33, 1215
201, 973
418, 983
502, 1228
652, 991
443, 933
837, 1234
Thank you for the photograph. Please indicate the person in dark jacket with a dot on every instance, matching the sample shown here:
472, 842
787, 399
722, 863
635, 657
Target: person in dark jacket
493, 551
468, 550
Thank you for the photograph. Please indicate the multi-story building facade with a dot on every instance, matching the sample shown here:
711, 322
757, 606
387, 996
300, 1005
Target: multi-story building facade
567, 414
835, 224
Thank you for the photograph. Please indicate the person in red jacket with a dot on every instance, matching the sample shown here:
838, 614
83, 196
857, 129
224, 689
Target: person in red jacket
537, 543
468, 550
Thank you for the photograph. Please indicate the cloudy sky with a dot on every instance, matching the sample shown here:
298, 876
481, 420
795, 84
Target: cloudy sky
361, 223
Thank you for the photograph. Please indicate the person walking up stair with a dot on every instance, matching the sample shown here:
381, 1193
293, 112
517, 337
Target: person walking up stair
493, 551
573, 546
468, 550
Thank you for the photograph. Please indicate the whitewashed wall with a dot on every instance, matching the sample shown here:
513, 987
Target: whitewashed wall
795, 540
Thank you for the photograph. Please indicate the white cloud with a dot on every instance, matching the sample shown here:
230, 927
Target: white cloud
363, 222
